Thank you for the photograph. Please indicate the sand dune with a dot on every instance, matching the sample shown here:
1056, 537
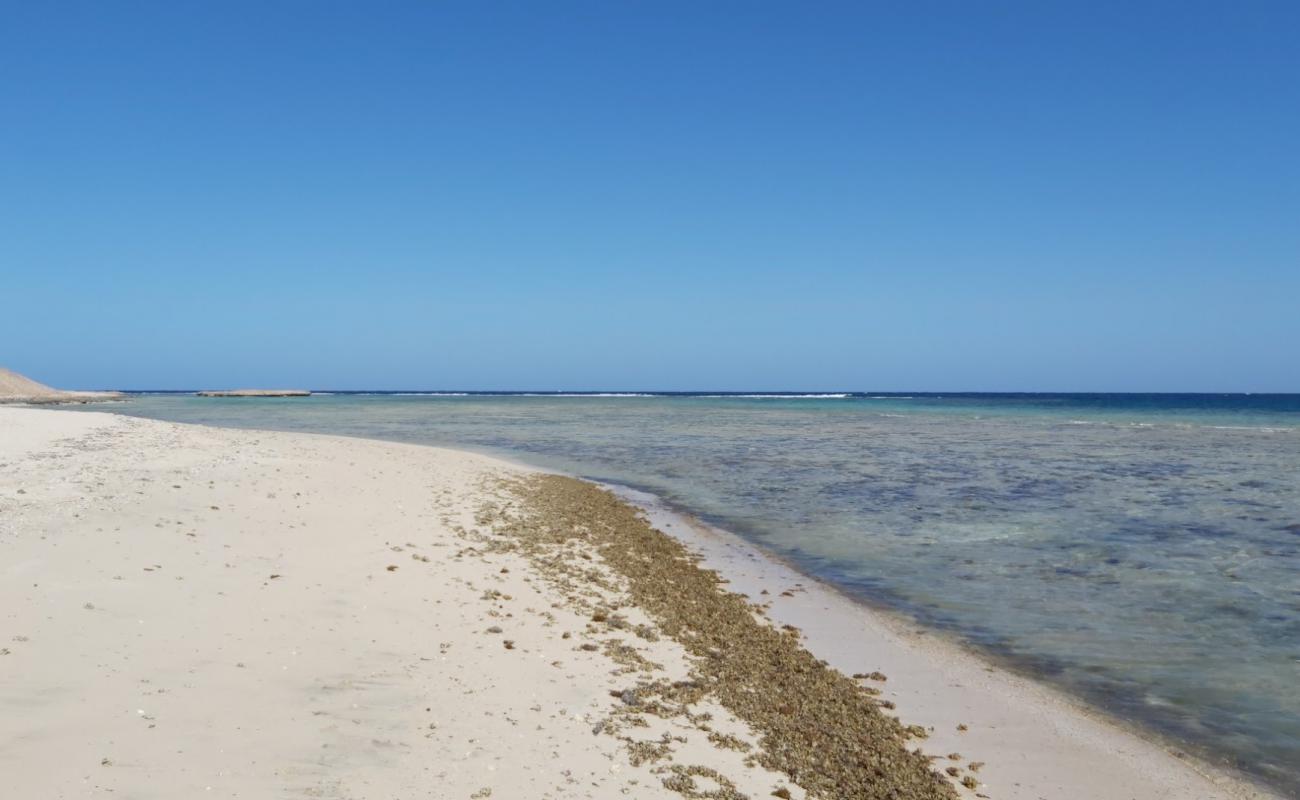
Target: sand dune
15, 388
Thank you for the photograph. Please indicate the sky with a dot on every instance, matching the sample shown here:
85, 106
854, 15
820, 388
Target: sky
942, 196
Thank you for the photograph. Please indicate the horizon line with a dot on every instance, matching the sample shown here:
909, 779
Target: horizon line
827, 393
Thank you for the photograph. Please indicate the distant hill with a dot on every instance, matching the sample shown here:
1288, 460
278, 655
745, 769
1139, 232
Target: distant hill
15, 388
13, 384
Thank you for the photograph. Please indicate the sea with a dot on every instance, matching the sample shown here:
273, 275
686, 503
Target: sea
1141, 551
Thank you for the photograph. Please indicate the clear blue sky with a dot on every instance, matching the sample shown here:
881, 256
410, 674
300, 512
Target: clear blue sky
621, 195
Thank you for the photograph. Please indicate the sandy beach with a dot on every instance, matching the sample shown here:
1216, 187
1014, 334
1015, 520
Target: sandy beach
192, 611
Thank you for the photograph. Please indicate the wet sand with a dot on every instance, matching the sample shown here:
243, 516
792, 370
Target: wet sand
1038, 741
188, 610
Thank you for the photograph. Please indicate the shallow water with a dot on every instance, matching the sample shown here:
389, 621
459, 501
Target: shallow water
1143, 551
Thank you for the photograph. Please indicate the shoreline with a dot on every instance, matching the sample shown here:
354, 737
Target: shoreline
749, 569
822, 611
1105, 759
62, 398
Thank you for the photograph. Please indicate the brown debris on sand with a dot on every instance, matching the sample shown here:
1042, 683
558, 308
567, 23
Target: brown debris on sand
816, 725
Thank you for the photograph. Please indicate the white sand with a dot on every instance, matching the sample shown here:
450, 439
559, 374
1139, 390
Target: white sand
147, 651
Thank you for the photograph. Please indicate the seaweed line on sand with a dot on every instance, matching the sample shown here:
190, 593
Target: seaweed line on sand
816, 725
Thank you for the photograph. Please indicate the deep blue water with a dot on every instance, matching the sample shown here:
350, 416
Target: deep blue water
1270, 408
1140, 550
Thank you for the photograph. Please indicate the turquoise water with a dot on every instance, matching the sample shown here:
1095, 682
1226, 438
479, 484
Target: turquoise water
1140, 550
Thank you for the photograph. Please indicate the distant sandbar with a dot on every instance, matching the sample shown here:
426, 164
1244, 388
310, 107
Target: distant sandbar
255, 393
